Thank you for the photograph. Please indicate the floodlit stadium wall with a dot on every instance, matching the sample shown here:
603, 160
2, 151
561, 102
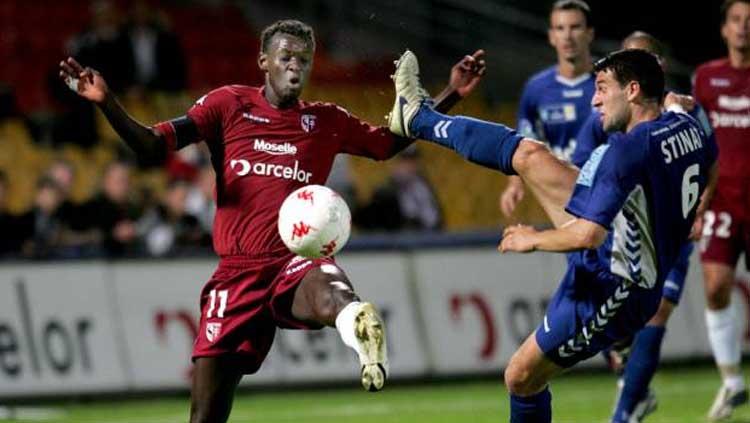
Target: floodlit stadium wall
109, 327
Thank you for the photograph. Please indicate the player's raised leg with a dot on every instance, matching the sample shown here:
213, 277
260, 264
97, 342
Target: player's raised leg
488, 144
325, 296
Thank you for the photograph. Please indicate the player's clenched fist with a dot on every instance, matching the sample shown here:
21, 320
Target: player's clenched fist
518, 238
87, 82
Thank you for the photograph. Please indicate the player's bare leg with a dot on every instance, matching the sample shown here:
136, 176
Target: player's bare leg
488, 144
724, 339
325, 296
526, 377
214, 382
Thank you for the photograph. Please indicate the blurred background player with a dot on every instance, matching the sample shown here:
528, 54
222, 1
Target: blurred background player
619, 217
556, 101
259, 285
722, 87
636, 359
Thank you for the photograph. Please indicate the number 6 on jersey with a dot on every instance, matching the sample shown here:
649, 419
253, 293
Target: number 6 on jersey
690, 189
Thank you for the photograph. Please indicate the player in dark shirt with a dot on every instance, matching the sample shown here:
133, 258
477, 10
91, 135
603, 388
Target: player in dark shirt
265, 143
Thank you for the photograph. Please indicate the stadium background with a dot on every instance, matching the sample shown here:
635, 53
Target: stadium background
357, 41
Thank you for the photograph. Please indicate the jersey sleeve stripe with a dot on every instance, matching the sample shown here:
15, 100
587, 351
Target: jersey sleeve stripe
166, 129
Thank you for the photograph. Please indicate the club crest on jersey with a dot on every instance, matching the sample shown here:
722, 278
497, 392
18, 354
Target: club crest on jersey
308, 122
212, 331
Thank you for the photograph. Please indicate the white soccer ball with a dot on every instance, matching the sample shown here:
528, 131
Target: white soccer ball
314, 222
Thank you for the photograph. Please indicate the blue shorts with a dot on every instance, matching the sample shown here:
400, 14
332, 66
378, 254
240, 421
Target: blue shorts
588, 313
675, 281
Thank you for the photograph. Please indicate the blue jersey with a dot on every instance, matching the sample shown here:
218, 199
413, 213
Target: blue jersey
553, 108
592, 135
644, 187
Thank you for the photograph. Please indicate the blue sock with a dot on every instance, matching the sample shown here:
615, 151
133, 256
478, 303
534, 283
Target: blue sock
639, 370
534, 409
487, 144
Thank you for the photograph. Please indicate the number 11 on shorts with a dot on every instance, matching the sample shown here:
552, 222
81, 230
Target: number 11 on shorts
223, 294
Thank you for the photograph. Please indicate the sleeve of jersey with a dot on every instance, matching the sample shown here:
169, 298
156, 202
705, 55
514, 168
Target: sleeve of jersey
590, 136
362, 139
605, 182
527, 114
700, 115
202, 122
698, 87
208, 113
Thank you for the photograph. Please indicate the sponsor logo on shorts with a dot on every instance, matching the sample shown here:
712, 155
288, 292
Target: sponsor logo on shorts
296, 268
213, 330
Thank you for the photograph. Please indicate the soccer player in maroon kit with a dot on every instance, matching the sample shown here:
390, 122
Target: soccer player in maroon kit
264, 144
722, 87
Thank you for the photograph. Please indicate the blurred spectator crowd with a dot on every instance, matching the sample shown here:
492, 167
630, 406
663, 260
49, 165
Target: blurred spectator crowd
115, 222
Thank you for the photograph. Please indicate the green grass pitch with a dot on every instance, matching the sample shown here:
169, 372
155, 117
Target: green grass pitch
684, 394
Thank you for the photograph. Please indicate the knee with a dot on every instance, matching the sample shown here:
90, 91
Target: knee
325, 306
329, 302
718, 292
519, 381
528, 154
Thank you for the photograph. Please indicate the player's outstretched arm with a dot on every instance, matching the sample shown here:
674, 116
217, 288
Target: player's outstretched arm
465, 76
577, 234
89, 84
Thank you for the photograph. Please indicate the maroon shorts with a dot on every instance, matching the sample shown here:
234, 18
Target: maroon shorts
726, 224
244, 302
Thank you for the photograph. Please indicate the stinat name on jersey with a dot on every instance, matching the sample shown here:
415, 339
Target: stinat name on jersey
243, 167
681, 143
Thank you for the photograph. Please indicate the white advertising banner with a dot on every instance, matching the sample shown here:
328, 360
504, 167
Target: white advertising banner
479, 305
159, 308
86, 327
57, 331
158, 305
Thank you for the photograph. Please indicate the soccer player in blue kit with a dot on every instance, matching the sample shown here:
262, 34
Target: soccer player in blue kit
557, 101
637, 358
623, 218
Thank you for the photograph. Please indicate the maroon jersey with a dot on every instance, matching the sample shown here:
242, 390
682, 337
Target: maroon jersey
724, 92
261, 154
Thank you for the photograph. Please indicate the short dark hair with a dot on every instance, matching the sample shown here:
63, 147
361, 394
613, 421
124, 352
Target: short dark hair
655, 46
635, 65
288, 26
727, 5
578, 5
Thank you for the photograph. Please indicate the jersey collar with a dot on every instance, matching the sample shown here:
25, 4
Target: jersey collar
572, 82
